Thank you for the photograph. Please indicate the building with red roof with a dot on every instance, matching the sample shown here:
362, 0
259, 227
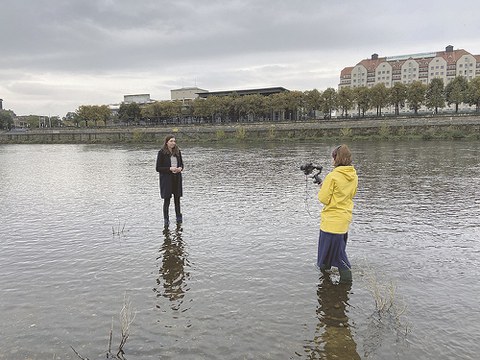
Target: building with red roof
414, 67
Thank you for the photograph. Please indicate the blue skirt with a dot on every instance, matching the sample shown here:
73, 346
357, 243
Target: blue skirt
331, 251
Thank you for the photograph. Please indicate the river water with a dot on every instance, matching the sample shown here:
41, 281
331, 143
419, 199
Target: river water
82, 235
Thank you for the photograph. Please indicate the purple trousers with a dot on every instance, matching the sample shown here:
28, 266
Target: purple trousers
331, 251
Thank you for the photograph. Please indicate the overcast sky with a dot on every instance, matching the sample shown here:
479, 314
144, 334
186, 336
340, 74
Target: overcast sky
56, 55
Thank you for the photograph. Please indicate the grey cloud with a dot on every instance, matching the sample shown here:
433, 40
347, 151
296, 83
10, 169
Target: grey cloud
220, 43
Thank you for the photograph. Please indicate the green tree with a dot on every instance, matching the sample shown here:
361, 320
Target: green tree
72, 118
152, 112
362, 98
6, 119
172, 109
217, 107
416, 95
200, 108
346, 100
55, 121
212, 106
473, 93
435, 95
252, 106
94, 113
278, 105
456, 91
379, 97
101, 114
33, 121
397, 96
85, 113
233, 102
129, 112
313, 101
329, 103
295, 103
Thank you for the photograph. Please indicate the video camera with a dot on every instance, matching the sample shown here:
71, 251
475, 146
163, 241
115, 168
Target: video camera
309, 168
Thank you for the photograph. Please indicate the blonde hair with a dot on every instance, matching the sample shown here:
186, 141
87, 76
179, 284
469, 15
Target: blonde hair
342, 156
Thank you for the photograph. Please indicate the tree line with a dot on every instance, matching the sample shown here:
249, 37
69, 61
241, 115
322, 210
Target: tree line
298, 105
284, 106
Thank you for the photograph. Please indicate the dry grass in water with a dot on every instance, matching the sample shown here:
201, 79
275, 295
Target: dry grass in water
119, 230
127, 315
388, 304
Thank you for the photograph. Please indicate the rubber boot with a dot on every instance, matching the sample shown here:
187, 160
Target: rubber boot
325, 267
345, 276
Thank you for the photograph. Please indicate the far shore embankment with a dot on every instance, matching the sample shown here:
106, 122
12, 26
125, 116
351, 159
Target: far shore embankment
426, 127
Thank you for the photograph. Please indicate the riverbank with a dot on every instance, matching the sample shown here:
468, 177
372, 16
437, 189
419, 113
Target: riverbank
451, 127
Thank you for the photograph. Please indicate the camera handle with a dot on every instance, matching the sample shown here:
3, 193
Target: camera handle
316, 178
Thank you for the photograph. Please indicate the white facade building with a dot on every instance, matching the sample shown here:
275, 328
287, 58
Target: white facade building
408, 68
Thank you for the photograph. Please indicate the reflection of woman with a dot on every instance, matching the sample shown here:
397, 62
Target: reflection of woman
334, 339
170, 166
172, 269
336, 194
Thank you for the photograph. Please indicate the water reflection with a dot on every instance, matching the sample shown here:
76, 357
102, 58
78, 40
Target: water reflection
173, 272
333, 338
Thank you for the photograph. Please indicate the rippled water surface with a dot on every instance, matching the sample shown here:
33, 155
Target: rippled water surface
82, 230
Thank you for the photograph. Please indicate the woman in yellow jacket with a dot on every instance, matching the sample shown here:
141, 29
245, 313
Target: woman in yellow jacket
336, 194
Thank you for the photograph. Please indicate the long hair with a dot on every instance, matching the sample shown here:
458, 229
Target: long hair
342, 156
175, 151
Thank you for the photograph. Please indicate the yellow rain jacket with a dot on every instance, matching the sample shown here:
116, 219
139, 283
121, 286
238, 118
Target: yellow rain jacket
336, 194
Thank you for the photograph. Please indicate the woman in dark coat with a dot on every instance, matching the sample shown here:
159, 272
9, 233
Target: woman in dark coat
170, 166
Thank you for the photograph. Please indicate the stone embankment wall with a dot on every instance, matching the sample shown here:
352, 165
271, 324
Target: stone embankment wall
426, 127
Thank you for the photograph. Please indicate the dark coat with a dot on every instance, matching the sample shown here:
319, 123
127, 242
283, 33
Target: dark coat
166, 176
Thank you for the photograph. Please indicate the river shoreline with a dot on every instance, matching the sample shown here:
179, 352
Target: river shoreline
432, 127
